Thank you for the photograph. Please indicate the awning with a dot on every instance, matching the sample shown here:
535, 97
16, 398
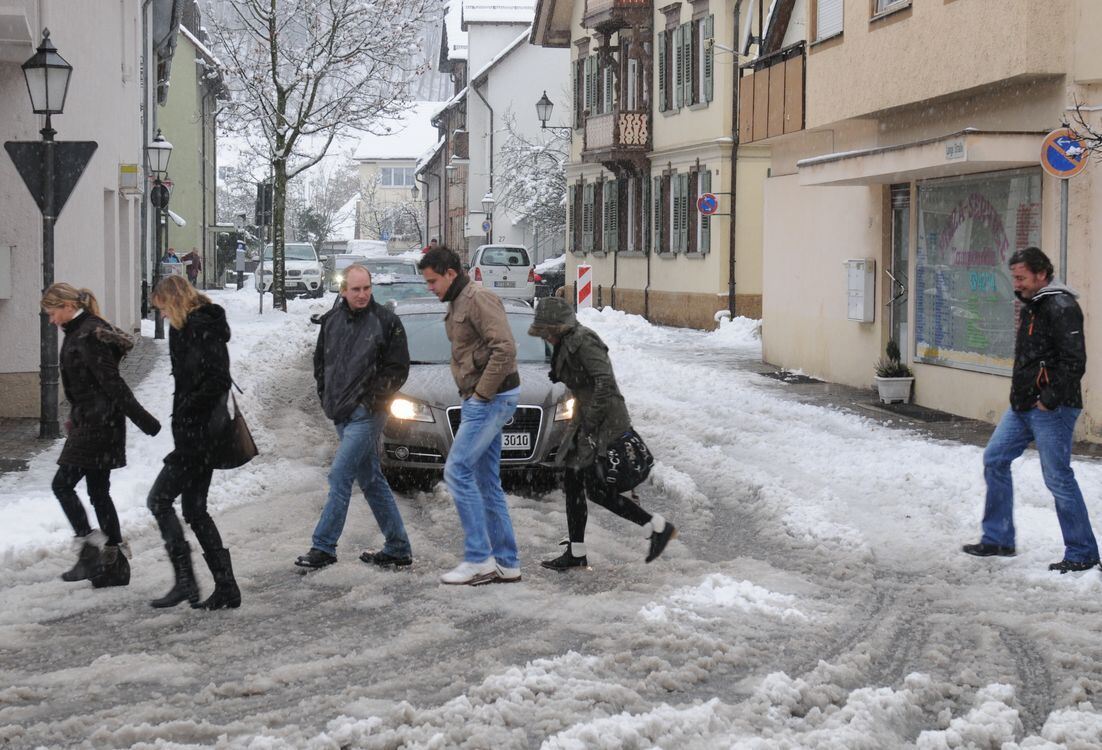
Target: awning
966, 152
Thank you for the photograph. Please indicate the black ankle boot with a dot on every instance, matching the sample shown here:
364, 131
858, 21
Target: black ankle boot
661, 532
226, 593
568, 559
114, 569
88, 560
185, 587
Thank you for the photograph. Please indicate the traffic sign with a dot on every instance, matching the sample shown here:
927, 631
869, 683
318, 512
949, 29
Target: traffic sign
486, 226
1062, 153
707, 204
158, 195
584, 286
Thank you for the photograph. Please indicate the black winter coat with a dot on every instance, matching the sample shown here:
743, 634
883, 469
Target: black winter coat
1050, 355
99, 399
362, 357
201, 369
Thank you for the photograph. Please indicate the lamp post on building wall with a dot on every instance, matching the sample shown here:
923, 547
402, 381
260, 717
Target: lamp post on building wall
50, 170
543, 112
488, 209
157, 155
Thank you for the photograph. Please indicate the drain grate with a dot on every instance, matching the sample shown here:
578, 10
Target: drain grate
793, 378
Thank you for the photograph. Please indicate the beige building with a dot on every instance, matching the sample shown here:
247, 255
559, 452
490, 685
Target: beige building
654, 129
892, 212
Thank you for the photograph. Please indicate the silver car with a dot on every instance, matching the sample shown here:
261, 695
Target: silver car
389, 266
425, 414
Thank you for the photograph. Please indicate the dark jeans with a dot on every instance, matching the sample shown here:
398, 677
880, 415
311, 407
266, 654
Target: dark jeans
579, 483
98, 482
190, 483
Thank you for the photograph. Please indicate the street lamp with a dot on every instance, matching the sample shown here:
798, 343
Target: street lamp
157, 155
414, 192
543, 112
488, 209
47, 76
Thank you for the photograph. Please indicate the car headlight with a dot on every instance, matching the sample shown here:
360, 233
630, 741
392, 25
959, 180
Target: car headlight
410, 410
564, 410
338, 279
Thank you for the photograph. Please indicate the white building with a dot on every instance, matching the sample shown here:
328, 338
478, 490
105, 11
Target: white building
98, 233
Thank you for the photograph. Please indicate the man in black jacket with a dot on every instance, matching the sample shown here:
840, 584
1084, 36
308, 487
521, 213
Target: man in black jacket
360, 361
1045, 400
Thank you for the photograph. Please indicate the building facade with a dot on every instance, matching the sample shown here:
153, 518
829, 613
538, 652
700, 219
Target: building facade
919, 160
653, 121
98, 233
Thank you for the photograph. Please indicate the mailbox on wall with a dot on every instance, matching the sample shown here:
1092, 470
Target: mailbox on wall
861, 290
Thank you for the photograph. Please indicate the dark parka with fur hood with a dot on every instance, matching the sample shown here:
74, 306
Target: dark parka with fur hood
580, 361
1050, 355
201, 369
100, 400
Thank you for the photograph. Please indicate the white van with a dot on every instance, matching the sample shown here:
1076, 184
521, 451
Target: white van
303, 271
506, 270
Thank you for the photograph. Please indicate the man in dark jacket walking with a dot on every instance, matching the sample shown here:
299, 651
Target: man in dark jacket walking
1045, 401
361, 360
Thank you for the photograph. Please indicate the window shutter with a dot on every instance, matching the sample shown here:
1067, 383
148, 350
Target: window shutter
645, 241
675, 213
709, 59
590, 87
656, 225
571, 217
678, 68
688, 52
828, 18
587, 218
662, 63
705, 220
609, 98
612, 244
683, 213
578, 85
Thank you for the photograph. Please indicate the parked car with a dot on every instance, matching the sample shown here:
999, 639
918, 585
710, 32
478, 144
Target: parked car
506, 270
302, 268
405, 269
366, 248
425, 414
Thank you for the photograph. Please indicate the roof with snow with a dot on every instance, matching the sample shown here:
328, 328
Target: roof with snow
406, 137
485, 69
455, 34
498, 11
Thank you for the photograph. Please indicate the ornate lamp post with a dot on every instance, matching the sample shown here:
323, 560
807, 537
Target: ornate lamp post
50, 170
488, 209
543, 112
157, 155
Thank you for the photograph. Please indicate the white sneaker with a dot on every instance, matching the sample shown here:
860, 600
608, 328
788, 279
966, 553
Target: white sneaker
471, 574
506, 575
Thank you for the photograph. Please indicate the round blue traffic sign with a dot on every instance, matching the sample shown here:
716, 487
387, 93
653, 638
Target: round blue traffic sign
1063, 154
707, 204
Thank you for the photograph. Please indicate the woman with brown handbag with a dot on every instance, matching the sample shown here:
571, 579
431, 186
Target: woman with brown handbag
201, 369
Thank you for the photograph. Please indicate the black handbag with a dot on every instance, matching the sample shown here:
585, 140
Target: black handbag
237, 447
626, 463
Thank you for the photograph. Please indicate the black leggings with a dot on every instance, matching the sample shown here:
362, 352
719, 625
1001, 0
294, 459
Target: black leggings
98, 483
190, 483
577, 484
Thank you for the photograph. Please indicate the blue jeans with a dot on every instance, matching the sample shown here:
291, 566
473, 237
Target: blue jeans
1052, 432
357, 460
473, 476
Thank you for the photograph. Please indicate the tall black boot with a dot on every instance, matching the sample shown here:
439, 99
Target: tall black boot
185, 586
88, 560
226, 593
114, 570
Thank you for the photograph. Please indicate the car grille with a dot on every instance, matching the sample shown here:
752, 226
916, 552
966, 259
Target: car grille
293, 273
416, 453
525, 419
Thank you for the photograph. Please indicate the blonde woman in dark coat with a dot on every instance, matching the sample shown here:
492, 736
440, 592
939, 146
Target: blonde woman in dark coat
201, 371
100, 403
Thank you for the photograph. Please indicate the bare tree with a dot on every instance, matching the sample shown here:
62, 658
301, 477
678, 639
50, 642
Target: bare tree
303, 72
384, 216
317, 206
1089, 136
532, 176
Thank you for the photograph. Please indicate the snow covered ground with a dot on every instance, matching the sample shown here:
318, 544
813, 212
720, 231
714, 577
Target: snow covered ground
816, 597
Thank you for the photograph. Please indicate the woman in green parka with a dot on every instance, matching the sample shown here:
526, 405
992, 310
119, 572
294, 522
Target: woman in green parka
580, 361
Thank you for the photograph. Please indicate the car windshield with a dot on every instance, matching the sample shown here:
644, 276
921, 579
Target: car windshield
504, 256
383, 292
428, 341
399, 267
293, 251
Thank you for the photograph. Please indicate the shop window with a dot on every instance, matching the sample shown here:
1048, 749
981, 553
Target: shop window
964, 303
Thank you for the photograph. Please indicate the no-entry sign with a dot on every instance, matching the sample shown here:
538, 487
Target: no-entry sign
1062, 154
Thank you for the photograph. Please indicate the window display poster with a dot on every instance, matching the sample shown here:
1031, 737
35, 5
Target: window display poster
968, 227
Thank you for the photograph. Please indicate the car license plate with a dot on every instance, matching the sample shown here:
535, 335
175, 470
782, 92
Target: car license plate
509, 284
512, 441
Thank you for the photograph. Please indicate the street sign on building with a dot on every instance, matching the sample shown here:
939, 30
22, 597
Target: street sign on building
707, 204
1063, 154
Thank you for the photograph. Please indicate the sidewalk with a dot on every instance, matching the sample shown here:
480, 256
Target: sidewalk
19, 437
